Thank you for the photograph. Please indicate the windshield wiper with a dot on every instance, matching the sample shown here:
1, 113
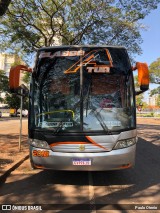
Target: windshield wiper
87, 99
103, 125
59, 127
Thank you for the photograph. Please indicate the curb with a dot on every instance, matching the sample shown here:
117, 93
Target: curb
4, 176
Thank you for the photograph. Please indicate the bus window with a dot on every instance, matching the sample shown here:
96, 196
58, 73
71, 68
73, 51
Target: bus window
106, 103
60, 85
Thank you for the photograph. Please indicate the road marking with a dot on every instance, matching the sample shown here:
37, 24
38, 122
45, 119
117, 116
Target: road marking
91, 193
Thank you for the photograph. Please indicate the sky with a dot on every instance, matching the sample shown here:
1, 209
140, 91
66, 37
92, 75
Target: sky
151, 38
151, 42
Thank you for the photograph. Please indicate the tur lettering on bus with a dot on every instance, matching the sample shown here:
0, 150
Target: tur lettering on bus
98, 69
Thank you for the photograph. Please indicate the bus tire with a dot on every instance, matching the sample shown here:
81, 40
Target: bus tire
32, 165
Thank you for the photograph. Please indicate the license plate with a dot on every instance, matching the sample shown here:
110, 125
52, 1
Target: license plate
81, 162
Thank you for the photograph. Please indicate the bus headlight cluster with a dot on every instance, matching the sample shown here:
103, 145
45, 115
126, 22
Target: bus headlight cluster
125, 143
39, 143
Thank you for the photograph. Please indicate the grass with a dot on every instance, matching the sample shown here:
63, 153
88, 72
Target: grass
152, 114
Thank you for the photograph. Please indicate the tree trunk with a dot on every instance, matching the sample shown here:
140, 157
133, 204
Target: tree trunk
4, 6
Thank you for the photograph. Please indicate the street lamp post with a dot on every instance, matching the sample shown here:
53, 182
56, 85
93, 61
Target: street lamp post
20, 129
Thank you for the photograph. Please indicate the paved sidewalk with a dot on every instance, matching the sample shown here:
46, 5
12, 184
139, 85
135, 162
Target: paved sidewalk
148, 120
10, 156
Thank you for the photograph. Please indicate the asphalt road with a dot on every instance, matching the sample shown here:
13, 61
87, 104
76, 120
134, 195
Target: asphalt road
95, 191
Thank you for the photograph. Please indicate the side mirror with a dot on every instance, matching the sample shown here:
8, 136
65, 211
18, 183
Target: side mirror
143, 76
15, 78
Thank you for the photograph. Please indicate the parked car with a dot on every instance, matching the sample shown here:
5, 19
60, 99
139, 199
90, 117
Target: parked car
13, 112
24, 113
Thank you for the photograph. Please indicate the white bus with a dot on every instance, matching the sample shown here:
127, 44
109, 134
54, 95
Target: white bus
82, 112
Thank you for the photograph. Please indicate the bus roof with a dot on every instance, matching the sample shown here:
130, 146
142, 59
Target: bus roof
80, 46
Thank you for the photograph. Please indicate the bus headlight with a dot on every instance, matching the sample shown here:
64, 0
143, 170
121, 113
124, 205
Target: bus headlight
125, 143
39, 143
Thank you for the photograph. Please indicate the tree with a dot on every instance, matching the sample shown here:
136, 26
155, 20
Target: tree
29, 25
4, 6
158, 100
154, 70
4, 85
26, 78
139, 100
13, 101
4, 82
155, 91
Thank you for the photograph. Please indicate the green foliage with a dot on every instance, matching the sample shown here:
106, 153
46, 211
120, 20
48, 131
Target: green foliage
1, 99
139, 100
146, 114
144, 105
154, 70
13, 101
29, 25
158, 100
155, 91
136, 82
4, 85
26, 78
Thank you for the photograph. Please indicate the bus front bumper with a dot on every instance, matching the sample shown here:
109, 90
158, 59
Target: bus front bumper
113, 160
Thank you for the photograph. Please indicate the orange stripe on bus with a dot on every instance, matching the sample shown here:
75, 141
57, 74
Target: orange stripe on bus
59, 143
125, 166
93, 142
39, 167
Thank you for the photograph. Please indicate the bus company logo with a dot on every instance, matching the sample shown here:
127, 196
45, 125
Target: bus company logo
98, 69
61, 54
81, 147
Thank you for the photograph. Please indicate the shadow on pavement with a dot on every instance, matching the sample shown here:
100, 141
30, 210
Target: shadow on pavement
131, 185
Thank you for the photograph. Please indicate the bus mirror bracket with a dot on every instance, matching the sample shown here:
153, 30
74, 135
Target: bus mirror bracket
22, 90
143, 76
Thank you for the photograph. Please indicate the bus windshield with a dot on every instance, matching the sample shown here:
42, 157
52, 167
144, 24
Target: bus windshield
82, 90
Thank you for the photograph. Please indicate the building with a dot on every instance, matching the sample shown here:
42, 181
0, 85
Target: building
7, 60
153, 100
